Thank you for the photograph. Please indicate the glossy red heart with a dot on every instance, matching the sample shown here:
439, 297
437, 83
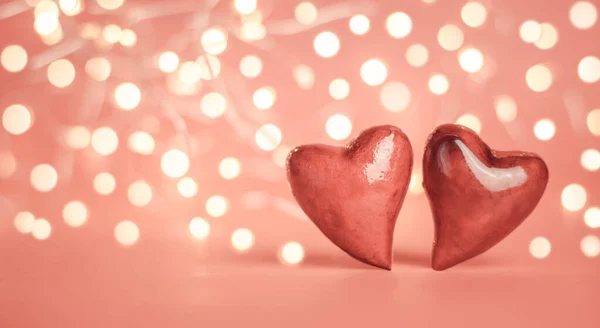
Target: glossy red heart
353, 194
478, 196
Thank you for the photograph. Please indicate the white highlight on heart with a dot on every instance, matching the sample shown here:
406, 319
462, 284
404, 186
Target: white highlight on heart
376, 170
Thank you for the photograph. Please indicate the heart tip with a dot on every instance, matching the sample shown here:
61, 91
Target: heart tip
386, 264
441, 264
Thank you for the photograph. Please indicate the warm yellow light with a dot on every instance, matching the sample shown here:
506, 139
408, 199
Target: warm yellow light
590, 159
175, 163
13, 58
592, 217
213, 104
128, 38
593, 121
187, 187
506, 108
590, 246
471, 60
112, 33
46, 23
264, 98
41, 229
104, 183
438, 84
583, 15
327, 44
229, 168
544, 129
471, 121
24, 222
359, 24
214, 41
245, 7
473, 14
549, 37
395, 96
339, 89
210, 66
128, 96
190, 72
530, 31
268, 137
373, 72
61, 73
216, 206
398, 25
8, 164
589, 69
242, 239
127, 233
539, 78
75, 213
141, 142
338, 127
168, 61
98, 68
251, 66
417, 55
304, 76
43, 177
110, 4
573, 197
292, 253
306, 13
105, 140
139, 193
16, 119
450, 37
78, 137
199, 228
540, 247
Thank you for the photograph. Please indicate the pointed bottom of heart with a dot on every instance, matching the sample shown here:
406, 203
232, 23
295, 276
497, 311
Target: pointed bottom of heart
382, 261
441, 261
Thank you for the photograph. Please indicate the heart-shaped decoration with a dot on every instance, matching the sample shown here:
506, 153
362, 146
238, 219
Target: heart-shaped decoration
353, 194
478, 196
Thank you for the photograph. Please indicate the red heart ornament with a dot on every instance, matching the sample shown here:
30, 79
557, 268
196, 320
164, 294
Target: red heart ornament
478, 196
353, 194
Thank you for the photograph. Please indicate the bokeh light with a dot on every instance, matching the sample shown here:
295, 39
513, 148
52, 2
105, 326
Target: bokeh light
217, 206
304, 76
539, 78
438, 84
292, 253
506, 108
306, 13
398, 25
544, 129
213, 104
592, 217
168, 61
242, 239
75, 213
251, 66
373, 72
214, 41
473, 14
327, 44
16, 119
245, 7
583, 15
141, 142
338, 127
471, 121
139, 193
417, 55
199, 228
530, 31
110, 4
540, 247
264, 98
229, 168
98, 68
104, 183
8, 164
339, 89
43, 177
105, 140
589, 69
590, 246
471, 60
268, 137
549, 37
127, 233
13, 58
395, 96
46, 23
450, 37
415, 186
175, 163
590, 159
128, 96
573, 197
359, 24
593, 121
41, 229
112, 33
24, 222
128, 38
187, 187
61, 73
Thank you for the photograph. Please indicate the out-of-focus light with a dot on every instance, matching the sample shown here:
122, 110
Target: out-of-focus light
213, 104
105, 140
214, 41
104, 183
44, 6
359, 24
90, 31
549, 37
592, 217
78, 137
573, 197
506, 108
538, 78
53, 38
473, 14
593, 121
168, 61
43, 177
75, 213
128, 96
339, 89
190, 72
304, 76
199, 228
253, 31
24, 222
395, 96
128, 38
245, 7
338, 127
438, 84
450, 37
251, 66
583, 15
13, 58
590, 159
139, 193
471, 60
141, 142
112, 33
417, 55
61, 73
544, 129
416, 182
264, 98
471, 121
127, 233
327, 44
8, 164
590, 246
242, 239
530, 31
292, 253
306, 13
216, 206
398, 25
540, 247
268, 137
41, 229
229, 168
175, 163
70, 7
46, 23
110, 4
16, 119
280, 155
187, 187
589, 69
210, 66
373, 72
98, 68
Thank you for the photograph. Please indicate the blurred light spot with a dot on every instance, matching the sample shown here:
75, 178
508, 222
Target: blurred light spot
395, 96
292, 253
306, 13
8, 164
168, 61
78, 137
544, 129
141, 142
416, 183
590, 160
339, 89
104, 183
245, 7
16, 119
128, 96
589, 69
583, 15
112, 33
398, 25
280, 155
593, 121
75, 213
590, 246
229, 168
450, 37
592, 217
105, 140
506, 108
127, 233
438, 84
327, 44
46, 23
549, 37
530, 31
359, 24
210, 66
304, 76
187, 187
70, 7
190, 72
538, 78
43, 177
139, 193
373, 72
214, 41
216, 206
24, 222
13, 58
53, 38
90, 31
41, 229
573, 197
338, 127
98, 68
199, 228
268, 137
128, 38
175, 163
242, 239
213, 104
264, 98
470, 121
471, 60
473, 14
417, 55
44, 6
540, 247
251, 66
61, 73
110, 4
253, 31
